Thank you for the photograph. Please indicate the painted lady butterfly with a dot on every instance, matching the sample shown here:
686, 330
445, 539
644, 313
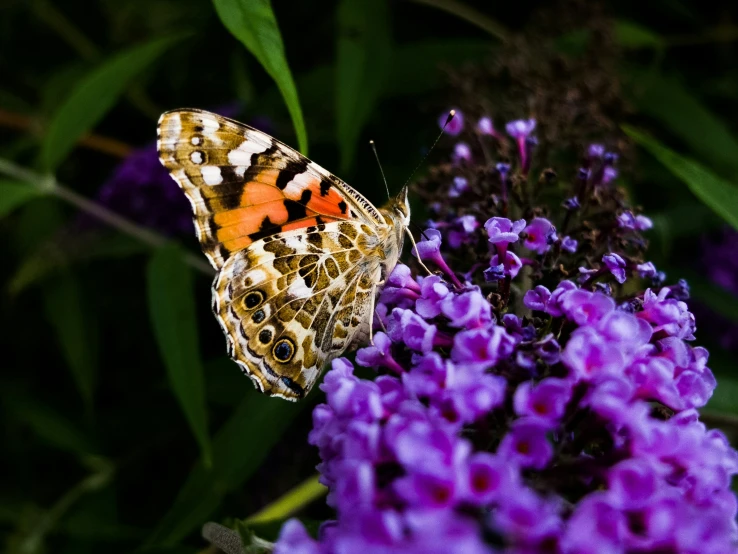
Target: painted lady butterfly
299, 254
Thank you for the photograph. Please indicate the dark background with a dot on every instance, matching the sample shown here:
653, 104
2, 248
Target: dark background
100, 330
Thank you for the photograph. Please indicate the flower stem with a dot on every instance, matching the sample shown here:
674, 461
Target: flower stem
49, 185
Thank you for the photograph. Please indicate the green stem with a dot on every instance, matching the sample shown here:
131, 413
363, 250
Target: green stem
33, 542
49, 185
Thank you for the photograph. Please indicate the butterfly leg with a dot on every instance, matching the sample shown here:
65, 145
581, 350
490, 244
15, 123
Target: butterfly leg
412, 239
374, 308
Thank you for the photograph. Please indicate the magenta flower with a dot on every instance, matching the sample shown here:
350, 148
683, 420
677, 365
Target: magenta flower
461, 231
481, 349
526, 444
541, 235
583, 307
595, 152
511, 266
455, 126
432, 291
459, 186
647, 270
468, 310
545, 401
488, 478
486, 127
616, 265
379, 354
430, 249
569, 244
537, 298
627, 220
520, 128
462, 152
502, 230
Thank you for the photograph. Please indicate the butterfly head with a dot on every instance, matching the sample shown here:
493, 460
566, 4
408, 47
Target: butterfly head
400, 207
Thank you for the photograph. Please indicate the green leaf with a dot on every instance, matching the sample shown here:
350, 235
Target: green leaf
364, 52
470, 14
293, 500
677, 222
36, 223
633, 36
14, 194
724, 398
721, 196
253, 23
69, 313
172, 308
95, 518
94, 96
51, 426
239, 448
665, 99
629, 35
61, 252
268, 531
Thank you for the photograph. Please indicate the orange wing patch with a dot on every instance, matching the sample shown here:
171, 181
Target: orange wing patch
264, 208
323, 198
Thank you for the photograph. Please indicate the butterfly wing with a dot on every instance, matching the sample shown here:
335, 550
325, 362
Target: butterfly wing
245, 185
291, 302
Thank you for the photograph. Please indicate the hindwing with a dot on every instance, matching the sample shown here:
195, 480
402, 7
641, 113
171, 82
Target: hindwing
292, 302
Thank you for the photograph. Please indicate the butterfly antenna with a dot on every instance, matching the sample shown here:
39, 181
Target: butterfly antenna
374, 149
419, 229
451, 115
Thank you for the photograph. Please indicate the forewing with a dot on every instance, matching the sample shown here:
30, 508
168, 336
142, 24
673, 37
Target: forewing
292, 302
245, 185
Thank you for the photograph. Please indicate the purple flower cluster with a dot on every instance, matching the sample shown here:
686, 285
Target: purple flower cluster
142, 190
519, 410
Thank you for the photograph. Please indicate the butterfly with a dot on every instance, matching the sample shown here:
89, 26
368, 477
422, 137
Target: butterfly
300, 255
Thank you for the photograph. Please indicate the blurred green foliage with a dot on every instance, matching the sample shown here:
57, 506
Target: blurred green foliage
124, 425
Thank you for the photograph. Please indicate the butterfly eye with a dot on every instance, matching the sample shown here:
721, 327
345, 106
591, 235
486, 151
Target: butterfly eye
253, 299
284, 350
265, 336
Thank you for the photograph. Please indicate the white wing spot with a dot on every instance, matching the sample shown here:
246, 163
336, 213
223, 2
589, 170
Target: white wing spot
211, 175
209, 125
257, 276
241, 156
175, 124
196, 157
195, 141
298, 183
299, 289
293, 242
